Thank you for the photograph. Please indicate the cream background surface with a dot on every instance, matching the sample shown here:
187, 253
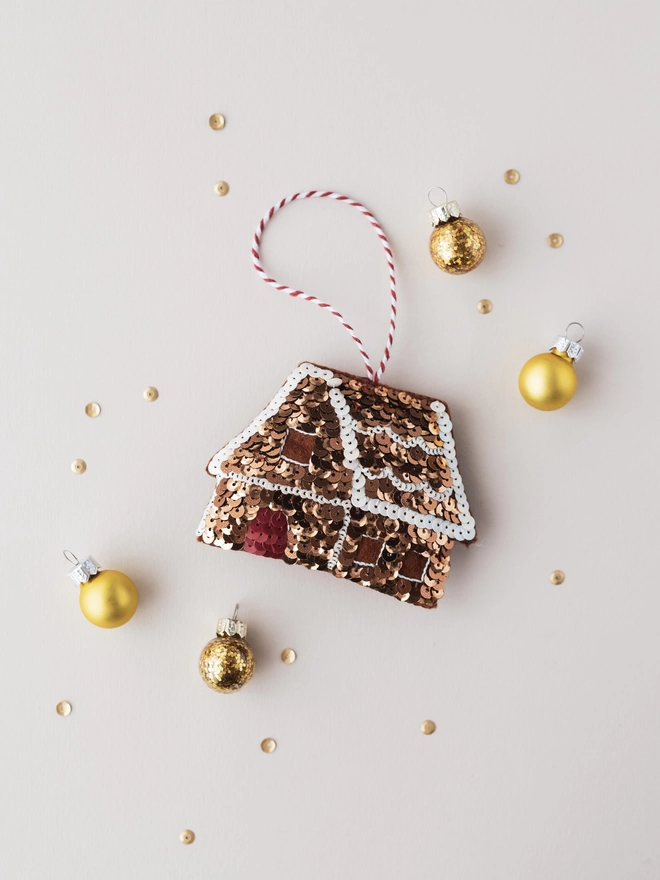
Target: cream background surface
120, 268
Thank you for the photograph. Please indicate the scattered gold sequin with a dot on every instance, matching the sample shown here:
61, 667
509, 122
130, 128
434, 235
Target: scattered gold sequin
221, 188
288, 655
511, 176
302, 513
217, 121
187, 836
78, 466
63, 708
428, 727
557, 577
268, 745
150, 394
555, 240
92, 410
485, 306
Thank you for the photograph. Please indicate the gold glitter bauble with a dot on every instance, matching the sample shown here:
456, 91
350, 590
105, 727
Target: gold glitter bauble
226, 663
457, 246
548, 380
108, 599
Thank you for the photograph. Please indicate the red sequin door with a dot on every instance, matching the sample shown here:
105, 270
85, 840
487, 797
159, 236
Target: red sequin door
267, 534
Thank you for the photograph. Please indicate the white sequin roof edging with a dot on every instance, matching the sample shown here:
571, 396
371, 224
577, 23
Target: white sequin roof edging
272, 409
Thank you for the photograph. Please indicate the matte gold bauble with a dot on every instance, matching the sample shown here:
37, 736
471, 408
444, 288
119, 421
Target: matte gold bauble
227, 662
457, 244
548, 380
107, 598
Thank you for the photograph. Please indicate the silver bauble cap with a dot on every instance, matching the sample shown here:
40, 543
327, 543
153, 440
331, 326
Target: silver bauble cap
229, 626
84, 570
573, 349
441, 213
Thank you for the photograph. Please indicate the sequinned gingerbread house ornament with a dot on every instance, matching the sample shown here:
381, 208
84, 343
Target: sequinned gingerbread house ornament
346, 475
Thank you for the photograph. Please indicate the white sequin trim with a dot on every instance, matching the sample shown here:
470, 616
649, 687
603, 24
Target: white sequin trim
387, 474
415, 441
288, 490
339, 543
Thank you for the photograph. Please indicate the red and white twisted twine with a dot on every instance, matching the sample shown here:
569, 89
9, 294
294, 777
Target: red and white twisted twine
315, 194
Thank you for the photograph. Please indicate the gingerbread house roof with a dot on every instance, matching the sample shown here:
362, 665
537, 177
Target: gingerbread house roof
340, 439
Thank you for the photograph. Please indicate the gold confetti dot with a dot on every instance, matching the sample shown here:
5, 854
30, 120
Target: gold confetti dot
217, 121
78, 466
150, 394
428, 727
63, 708
268, 745
511, 176
555, 240
92, 410
221, 188
288, 655
557, 577
187, 836
485, 306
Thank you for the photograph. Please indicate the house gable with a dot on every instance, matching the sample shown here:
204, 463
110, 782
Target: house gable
294, 445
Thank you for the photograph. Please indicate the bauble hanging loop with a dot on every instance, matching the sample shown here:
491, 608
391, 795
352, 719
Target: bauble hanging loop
227, 662
107, 598
548, 380
457, 245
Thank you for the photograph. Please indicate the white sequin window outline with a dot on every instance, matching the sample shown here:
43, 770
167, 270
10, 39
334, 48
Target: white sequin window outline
293, 460
426, 568
380, 553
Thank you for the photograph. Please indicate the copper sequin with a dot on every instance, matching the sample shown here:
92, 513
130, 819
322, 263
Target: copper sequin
402, 456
